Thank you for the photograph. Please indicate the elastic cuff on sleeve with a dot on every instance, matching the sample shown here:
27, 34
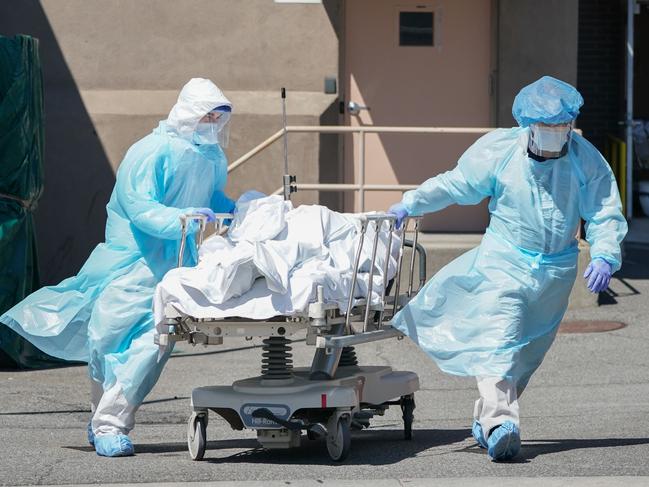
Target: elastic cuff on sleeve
615, 265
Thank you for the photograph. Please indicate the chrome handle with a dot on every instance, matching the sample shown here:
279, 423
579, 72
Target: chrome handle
354, 108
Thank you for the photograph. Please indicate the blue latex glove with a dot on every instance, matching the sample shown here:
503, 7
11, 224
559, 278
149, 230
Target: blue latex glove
398, 210
598, 274
207, 212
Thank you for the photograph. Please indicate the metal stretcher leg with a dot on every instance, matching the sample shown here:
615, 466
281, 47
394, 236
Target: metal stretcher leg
325, 362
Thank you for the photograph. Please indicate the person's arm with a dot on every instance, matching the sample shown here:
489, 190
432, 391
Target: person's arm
471, 181
221, 203
600, 206
140, 188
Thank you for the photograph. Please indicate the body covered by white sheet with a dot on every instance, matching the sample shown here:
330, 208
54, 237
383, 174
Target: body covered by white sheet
271, 262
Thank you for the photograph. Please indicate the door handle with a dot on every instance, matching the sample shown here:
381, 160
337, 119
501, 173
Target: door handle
354, 108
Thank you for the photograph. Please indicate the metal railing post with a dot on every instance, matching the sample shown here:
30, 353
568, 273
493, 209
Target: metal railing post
361, 172
360, 184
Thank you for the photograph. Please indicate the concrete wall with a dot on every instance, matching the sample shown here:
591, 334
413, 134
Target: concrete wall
113, 68
534, 39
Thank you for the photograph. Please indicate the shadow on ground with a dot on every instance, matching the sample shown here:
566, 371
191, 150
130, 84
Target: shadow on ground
378, 447
370, 447
635, 262
635, 265
534, 448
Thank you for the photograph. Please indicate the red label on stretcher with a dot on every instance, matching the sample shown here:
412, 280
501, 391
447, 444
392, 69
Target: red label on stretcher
323, 400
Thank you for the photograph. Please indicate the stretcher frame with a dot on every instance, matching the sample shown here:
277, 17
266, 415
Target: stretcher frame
335, 394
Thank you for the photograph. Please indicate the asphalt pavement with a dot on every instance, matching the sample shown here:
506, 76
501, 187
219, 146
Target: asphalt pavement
584, 418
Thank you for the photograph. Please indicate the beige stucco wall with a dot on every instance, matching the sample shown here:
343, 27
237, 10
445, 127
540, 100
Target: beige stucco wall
444, 85
112, 69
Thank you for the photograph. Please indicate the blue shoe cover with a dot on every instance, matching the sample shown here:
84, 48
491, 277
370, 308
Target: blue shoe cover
113, 446
476, 430
504, 442
91, 434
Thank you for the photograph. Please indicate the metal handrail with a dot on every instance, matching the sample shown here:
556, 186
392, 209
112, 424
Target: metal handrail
361, 187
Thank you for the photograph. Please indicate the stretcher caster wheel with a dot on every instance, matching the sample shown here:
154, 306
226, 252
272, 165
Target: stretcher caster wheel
407, 409
197, 435
339, 441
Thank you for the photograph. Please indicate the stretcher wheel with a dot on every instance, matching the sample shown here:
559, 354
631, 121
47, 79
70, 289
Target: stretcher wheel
339, 442
407, 409
197, 435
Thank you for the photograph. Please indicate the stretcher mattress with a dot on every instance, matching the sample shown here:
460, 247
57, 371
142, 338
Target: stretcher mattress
271, 262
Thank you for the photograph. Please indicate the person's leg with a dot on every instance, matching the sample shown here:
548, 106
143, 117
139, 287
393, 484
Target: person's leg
140, 367
135, 374
120, 324
476, 428
96, 392
114, 415
498, 403
496, 413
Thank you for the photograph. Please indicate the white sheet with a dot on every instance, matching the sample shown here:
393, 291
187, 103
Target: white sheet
271, 262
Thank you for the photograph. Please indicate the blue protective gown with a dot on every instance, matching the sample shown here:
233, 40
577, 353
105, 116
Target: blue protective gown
103, 315
495, 310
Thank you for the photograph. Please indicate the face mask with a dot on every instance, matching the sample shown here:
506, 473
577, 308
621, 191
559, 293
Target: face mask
206, 133
549, 140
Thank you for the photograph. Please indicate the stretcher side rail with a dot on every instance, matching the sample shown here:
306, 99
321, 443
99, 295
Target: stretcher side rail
362, 323
185, 221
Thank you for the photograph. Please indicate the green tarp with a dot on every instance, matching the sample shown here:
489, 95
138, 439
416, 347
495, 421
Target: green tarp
21, 185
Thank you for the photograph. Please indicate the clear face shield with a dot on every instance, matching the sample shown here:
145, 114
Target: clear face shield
214, 128
550, 141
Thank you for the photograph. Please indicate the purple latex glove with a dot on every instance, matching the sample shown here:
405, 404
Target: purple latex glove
398, 210
207, 212
598, 274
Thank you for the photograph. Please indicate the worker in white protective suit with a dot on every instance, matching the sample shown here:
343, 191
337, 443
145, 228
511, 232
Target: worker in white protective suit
493, 312
104, 314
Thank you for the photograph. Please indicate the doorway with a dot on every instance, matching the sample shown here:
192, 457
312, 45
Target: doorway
416, 63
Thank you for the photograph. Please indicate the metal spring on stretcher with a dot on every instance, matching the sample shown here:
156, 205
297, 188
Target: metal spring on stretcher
348, 357
276, 362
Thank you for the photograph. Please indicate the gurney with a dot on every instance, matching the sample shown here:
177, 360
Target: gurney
332, 396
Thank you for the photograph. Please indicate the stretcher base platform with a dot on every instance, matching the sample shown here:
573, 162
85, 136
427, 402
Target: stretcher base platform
280, 409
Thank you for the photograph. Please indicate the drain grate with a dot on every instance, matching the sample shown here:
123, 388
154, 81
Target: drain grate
579, 326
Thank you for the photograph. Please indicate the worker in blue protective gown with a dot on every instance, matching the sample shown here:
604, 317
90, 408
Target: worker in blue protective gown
104, 314
493, 312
